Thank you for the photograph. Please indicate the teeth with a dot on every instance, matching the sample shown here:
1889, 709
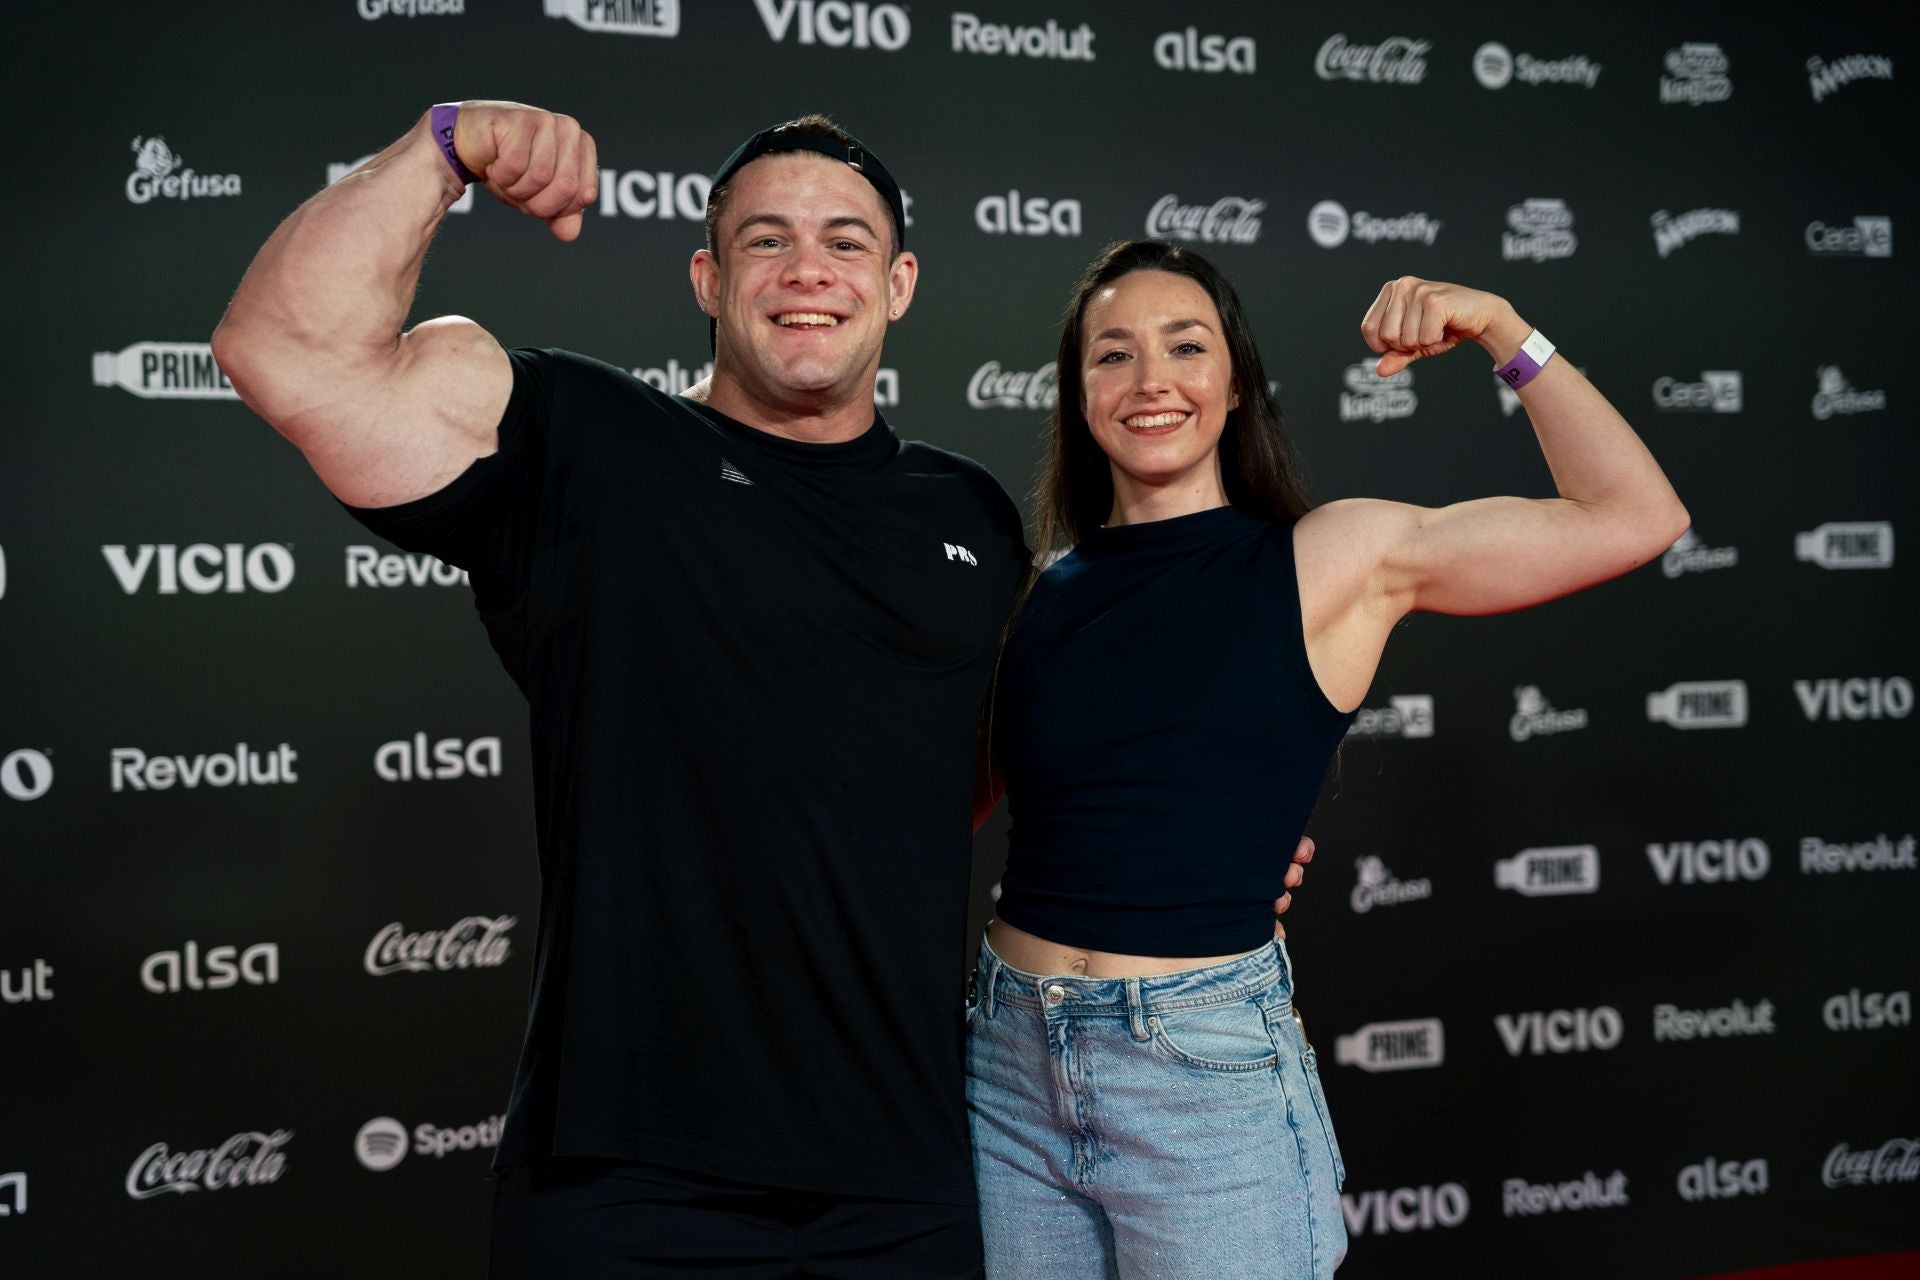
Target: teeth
1156, 419
805, 317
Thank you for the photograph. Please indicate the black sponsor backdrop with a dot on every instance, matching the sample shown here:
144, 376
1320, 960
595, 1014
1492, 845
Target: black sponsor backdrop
94, 881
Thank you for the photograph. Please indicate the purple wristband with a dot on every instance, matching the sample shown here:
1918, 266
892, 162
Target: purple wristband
441, 120
1527, 361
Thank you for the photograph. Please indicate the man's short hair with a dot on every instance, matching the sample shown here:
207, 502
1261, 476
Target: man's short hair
814, 125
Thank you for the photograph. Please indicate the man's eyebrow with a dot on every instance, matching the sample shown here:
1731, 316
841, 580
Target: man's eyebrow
785, 223
1171, 326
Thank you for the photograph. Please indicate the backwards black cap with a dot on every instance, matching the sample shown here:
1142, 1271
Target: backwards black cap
785, 137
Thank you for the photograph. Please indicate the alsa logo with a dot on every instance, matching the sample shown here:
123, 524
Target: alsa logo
1897, 1160
1395, 60
992, 387
1856, 698
164, 371
408, 759
1713, 1179
201, 567
1550, 872
1700, 704
1673, 230
248, 1159
1393, 1046
25, 774
1696, 74
1408, 715
472, 942
1014, 214
1405, 1209
1853, 1011
620, 17
170, 972
1834, 394
970, 35
1188, 50
336, 171
1228, 220
1689, 554
1560, 1030
1710, 861
1717, 391
369, 567
157, 172
836, 24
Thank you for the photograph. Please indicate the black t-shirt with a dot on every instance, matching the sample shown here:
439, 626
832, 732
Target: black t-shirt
755, 669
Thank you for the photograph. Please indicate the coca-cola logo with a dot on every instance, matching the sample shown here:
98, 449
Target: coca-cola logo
476, 942
993, 387
1395, 60
1897, 1160
247, 1159
1228, 220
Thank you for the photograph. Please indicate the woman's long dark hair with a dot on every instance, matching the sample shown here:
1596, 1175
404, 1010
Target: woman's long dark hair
1074, 493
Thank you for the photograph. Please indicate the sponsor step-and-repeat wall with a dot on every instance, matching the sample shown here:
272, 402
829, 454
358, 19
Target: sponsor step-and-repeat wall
1609, 951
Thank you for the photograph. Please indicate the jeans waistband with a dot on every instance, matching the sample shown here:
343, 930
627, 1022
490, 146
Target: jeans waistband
1076, 995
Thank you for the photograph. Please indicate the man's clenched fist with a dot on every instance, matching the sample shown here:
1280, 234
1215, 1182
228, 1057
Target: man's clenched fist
538, 162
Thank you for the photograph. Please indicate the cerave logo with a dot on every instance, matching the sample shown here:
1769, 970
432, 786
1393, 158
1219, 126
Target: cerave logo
1559, 1030
374, 10
1520, 1198
1395, 60
1834, 394
1404, 1209
1853, 1011
1379, 887
160, 174
251, 1158
171, 972
1539, 229
26, 773
1824, 78
1017, 215
381, 1143
1407, 715
164, 371
337, 171
1689, 554
1550, 872
1870, 236
1739, 1019
1847, 544
35, 983
471, 942
413, 759
992, 387
1228, 220
1710, 861
1855, 698
1715, 391
201, 567
371, 567
1330, 226
620, 17
1696, 73
1674, 230
1700, 704
1495, 67
1406, 1045
837, 24
1188, 50
1895, 1160
131, 769
1713, 1179
971, 35
1822, 857
1534, 717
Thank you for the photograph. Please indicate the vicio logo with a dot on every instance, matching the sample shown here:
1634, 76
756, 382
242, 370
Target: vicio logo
1689, 554
134, 770
1520, 1198
1393, 1046
1378, 887
201, 567
170, 972
1329, 225
1533, 718
25, 774
336, 171
1559, 1030
1538, 229
1405, 1209
1188, 50
1228, 220
247, 1159
406, 760
164, 371
1717, 391
837, 24
1852, 1011
1550, 872
1825, 78
1012, 214
1855, 698
374, 10
1870, 236
1670, 1022
992, 387
1673, 230
1700, 704
1372, 398
158, 172
1409, 715
1857, 544
620, 17
1697, 73
368, 567
1495, 67
473, 942
1836, 395
1713, 1179
655, 195
1395, 60
1710, 861
1819, 857
1897, 1160
970, 35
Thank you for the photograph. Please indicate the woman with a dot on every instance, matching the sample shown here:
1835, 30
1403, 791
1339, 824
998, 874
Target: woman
1144, 1102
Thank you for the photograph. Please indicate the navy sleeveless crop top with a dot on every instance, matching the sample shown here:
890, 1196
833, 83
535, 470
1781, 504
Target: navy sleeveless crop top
1162, 736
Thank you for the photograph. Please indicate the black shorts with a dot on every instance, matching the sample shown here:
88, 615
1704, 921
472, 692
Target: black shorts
588, 1219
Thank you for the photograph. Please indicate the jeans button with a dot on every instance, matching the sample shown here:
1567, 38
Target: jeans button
1056, 993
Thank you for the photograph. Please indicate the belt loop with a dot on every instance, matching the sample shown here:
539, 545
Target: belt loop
1136, 1010
989, 979
1286, 964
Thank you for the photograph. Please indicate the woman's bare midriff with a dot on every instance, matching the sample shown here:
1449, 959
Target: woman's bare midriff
1032, 954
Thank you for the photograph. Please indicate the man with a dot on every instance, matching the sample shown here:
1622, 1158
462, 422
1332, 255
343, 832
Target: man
755, 630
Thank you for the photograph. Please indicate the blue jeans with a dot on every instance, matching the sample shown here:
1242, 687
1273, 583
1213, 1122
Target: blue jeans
1170, 1126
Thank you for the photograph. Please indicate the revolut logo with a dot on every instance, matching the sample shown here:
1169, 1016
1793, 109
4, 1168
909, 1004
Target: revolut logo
1855, 698
370, 567
1188, 50
1700, 704
166, 973
992, 387
1824, 78
374, 10
164, 371
1834, 394
251, 1158
1330, 226
1406, 1045
1495, 67
1379, 887
1717, 391
1228, 220
1696, 74
1053, 41
620, 17
132, 769
411, 759
1689, 554
1550, 872
335, 172
1559, 1030
1896, 1160
1670, 1022
1710, 861
1713, 1179
836, 24
1395, 60
1853, 1011
1870, 236
1539, 229
1405, 1209
1372, 398
1853, 544
201, 567
1522, 1199
657, 195
471, 942
1407, 715
1675, 230
35, 983
1015, 215
1822, 857
159, 174
25, 774
1534, 717
381, 1143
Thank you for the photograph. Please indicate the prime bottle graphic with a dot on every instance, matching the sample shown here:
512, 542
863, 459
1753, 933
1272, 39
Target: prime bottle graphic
164, 371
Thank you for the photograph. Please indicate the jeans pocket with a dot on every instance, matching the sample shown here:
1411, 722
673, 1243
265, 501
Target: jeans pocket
1310, 1064
1230, 1036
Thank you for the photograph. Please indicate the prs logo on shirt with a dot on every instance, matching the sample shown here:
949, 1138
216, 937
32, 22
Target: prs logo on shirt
960, 553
